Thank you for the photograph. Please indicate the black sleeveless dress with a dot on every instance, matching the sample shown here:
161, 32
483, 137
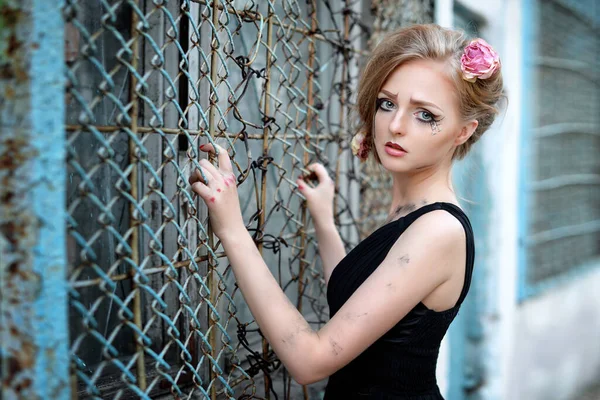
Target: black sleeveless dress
401, 364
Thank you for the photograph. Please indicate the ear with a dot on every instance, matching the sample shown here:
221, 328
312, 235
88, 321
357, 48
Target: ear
466, 132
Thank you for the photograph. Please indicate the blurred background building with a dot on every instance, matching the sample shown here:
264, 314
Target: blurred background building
112, 285
532, 326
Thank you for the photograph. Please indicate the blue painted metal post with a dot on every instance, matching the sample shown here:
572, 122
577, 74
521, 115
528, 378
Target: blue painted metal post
33, 291
470, 362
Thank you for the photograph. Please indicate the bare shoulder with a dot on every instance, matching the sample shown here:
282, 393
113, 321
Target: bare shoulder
421, 266
439, 226
438, 238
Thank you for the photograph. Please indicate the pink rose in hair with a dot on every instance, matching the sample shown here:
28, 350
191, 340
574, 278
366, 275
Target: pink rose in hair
479, 60
359, 147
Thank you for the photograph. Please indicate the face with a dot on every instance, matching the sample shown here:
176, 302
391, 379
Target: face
417, 123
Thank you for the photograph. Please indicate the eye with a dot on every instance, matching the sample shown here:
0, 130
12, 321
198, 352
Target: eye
425, 116
385, 104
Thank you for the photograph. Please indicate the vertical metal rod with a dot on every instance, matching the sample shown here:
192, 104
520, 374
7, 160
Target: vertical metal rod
34, 333
342, 99
213, 283
263, 206
133, 180
310, 99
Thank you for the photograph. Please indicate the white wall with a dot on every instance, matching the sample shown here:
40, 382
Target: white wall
443, 16
500, 148
548, 347
556, 347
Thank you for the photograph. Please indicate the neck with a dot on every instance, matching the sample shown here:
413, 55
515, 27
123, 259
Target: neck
414, 190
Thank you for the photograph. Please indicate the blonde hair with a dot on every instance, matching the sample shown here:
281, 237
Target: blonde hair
477, 100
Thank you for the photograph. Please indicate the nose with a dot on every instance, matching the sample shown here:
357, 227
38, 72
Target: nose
398, 123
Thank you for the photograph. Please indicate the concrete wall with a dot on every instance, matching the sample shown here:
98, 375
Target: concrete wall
547, 347
555, 350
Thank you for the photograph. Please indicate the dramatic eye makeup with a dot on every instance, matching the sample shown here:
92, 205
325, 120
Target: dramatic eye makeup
384, 104
424, 116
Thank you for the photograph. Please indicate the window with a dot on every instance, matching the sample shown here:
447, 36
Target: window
561, 163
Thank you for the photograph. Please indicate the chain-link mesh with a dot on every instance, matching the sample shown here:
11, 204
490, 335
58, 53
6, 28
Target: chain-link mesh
154, 308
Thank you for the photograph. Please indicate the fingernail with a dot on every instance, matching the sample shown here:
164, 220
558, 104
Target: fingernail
202, 146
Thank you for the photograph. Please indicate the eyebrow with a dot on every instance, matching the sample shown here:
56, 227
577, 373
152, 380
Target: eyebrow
412, 101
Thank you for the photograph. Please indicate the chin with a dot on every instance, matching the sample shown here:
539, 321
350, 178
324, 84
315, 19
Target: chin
392, 164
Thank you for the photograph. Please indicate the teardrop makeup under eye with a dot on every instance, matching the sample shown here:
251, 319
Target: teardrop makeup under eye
428, 121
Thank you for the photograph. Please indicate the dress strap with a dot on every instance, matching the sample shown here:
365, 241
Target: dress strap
408, 219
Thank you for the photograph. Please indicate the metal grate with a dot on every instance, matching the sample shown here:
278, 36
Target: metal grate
564, 226
154, 309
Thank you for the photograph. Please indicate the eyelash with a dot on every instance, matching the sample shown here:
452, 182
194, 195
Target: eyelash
433, 119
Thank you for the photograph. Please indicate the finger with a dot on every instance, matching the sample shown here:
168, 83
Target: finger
200, 175
201, 189
215, 176
320, 171
302, 186
224, 160
222, 156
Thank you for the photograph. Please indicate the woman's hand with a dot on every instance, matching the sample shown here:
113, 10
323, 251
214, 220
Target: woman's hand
219, 193
319, 199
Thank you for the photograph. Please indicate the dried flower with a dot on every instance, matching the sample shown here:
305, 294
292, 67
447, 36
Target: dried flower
359, 147
479, 60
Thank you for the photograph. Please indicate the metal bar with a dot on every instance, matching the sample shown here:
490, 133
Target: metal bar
263, 205
212, 264
34, 343
564, 232
304, 215
133, 179
581, 67
566, 180
565, 127
180, 264
342, 120
173, 131
147, 272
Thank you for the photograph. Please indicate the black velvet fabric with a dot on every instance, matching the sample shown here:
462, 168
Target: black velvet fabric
401, 364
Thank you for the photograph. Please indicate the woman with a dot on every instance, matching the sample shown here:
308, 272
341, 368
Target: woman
426, 95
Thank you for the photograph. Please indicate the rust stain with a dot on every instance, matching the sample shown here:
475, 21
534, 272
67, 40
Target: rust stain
9, 93
15, 152
21, 283
11, 63
13, 46
9, 16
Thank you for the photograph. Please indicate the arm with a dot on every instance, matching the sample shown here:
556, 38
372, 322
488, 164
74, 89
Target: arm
280, 322
319, 200
428, 254
411, 271
331, 247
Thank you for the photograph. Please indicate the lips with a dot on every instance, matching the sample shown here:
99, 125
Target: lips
395, 146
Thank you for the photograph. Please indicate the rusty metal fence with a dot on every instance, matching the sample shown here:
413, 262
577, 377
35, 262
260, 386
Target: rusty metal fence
153, 309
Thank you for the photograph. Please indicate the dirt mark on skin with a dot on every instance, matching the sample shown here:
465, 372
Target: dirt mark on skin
335, 347
405, 259
349, 316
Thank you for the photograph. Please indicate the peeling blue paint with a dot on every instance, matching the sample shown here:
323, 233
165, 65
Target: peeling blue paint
468, 362
34, 333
